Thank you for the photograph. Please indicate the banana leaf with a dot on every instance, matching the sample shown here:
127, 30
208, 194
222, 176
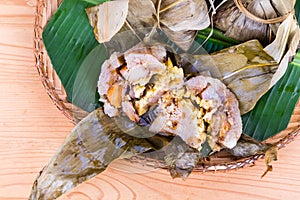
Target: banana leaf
258, 20
91, 146
86, 80
297, 11
95, 2
69, 39
180, 157
284, 7
216, 42
237, 25
273, 112
98, 140
285, 45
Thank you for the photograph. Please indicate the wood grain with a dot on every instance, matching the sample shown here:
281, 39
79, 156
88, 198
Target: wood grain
31, 129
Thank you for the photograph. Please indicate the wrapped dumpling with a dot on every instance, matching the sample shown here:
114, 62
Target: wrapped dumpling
237, 25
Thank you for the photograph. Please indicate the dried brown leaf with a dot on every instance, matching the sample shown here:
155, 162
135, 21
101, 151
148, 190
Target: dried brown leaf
183, 39
179, 19
91, 146
237, 25
141, 13
107, 18
285, 45
270, 155
247, 146
182, 15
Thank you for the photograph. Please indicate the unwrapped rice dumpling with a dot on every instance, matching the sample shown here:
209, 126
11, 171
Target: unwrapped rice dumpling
197, 109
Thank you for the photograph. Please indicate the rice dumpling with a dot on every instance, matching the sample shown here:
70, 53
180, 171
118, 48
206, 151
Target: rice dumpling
199, 109
230, 19
179, 19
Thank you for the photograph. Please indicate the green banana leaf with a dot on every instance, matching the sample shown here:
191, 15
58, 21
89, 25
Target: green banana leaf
216, 42
86, 80
273, 111
95, 2
297, 11
69, 40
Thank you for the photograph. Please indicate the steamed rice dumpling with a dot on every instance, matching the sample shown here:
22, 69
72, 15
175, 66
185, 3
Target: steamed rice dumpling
199, 109
178, 19
237, 25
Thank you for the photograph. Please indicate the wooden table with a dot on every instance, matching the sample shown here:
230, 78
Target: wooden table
31, 129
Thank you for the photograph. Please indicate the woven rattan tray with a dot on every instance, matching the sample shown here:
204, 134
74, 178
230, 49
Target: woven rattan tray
220, 161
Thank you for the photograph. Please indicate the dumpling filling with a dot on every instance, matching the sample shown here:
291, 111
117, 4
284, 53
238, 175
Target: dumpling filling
199, 109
